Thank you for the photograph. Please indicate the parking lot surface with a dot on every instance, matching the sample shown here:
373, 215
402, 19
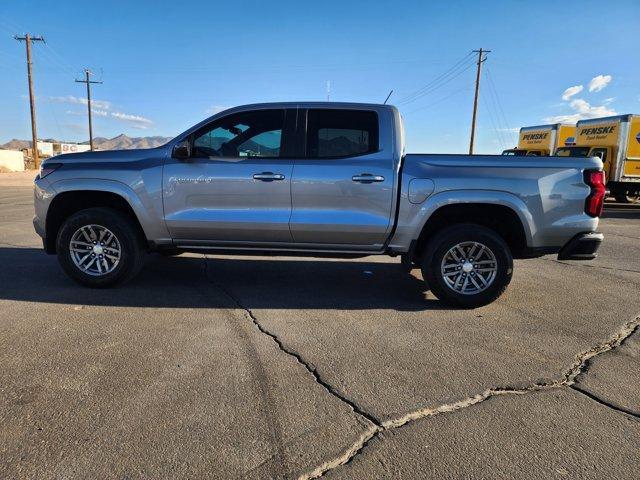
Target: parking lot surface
268, 367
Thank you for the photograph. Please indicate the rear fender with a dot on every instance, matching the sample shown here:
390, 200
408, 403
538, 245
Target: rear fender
412, 218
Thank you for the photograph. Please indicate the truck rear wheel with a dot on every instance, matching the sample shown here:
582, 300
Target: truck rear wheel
100, 247
624, 198
467, 265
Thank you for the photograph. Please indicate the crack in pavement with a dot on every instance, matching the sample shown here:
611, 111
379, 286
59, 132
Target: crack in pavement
568, 379
601, 401
561, 262
371, 419
376, 427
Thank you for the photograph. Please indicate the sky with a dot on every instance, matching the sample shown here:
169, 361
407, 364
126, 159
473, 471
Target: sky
167, 65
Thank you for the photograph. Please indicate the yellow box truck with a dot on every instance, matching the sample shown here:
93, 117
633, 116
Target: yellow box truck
616, 140
542, 140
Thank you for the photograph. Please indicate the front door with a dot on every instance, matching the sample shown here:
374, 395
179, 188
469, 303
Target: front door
342, 188
236, 186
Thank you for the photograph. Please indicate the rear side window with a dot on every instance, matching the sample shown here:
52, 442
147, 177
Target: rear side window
341, 133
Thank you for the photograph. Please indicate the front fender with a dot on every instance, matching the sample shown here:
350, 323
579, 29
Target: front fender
147, 209
413, 217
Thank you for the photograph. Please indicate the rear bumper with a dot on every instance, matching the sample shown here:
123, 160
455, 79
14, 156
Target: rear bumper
581, 247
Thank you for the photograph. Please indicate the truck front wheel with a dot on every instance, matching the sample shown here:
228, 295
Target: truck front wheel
99, 247
467, 265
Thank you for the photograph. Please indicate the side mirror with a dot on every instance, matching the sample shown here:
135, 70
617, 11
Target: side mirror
182, 150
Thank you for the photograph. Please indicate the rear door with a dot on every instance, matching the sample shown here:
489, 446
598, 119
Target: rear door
236, 187
342, 187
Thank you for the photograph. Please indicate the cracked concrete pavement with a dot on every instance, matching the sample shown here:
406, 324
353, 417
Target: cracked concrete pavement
289, 367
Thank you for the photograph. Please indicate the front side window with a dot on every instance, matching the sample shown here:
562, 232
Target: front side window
341, 133
245, 134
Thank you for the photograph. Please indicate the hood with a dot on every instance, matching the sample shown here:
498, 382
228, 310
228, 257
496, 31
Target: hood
108, 156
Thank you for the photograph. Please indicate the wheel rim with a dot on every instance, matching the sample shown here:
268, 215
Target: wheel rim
95, 250
469, 268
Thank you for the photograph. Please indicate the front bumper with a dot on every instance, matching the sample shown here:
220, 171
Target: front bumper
581, 247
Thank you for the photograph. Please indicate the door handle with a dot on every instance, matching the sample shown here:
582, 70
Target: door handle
367, 178
268, 176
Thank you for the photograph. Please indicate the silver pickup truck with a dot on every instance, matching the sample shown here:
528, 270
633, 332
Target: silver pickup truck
321, 179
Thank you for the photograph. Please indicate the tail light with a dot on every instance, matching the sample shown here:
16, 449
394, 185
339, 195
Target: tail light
595, 201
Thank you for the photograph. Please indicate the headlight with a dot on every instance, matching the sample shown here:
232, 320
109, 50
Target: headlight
47, 168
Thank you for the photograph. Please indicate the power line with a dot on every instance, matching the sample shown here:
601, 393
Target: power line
446, 97
504, 117
492, 107
61, 60
441, 84
438, 81
86, 80
53, 63
501, 129
499, 136
28, 39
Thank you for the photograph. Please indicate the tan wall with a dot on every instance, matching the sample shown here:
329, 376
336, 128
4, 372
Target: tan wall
12, 160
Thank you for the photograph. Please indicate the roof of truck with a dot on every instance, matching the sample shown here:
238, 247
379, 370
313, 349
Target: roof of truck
313, 104
549, 126
620, 118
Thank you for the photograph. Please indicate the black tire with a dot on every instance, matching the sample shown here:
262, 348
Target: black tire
406, 263
127, 233
622, 198
439, 247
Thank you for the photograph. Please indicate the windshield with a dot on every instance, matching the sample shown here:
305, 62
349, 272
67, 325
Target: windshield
573, 152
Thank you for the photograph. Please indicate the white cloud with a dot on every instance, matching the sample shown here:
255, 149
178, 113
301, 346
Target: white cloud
102, 104
216, 109
598, 83
571, 91
510, 129
583, 110
102, 108
95, 111
127, 117
136, 121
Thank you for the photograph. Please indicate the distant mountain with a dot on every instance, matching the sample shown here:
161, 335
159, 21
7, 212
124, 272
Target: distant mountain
16, 144
121, 142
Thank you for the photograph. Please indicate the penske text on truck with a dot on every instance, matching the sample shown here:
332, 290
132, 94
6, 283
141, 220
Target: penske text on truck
616, 140
542, 140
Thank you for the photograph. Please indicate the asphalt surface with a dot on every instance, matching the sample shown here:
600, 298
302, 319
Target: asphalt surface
267, 367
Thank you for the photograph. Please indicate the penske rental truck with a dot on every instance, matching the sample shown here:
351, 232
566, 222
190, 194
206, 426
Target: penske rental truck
616, 140
542, 140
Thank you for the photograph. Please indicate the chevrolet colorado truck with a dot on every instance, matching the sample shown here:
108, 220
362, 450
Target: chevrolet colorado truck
319, 179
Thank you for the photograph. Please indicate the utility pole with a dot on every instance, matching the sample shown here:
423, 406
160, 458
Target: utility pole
32, 101
475, 98
86, 80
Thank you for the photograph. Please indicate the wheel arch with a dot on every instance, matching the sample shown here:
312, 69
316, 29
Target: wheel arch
499, 217
70, 200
